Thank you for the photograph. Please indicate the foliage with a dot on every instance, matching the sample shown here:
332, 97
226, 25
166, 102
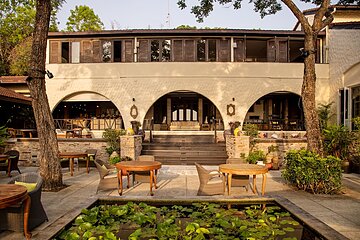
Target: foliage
20, 58
338, 140
112, 136
310, 172
118, 159
185, 27
197, 221
17, 21
3, 135
356, 122
83, 18
252, 131
324, 112
255, 156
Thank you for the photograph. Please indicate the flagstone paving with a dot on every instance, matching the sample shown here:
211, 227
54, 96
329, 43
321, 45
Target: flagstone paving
340, 212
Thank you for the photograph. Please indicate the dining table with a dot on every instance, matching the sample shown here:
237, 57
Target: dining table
125, 167
245, 170
71, 156
3, 158
13, 194
28, 133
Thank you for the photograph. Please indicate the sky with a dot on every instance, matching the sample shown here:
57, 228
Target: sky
165, 14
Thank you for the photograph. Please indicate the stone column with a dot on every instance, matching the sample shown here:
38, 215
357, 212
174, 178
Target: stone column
168, 111
200, 111
237, 145
130, 146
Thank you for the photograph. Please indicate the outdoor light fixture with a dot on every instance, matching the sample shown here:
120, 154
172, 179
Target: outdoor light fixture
47, 72
305, 53
133, 99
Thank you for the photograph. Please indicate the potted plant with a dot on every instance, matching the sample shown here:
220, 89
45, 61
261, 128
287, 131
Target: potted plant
255, 156
272, 159
112, 136
135, 126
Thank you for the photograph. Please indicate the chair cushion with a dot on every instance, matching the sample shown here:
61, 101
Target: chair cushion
29, 186
104, 167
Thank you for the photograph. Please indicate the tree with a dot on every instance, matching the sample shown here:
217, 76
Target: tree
49, 165
83, 18
19, 58
322, 18
17, 20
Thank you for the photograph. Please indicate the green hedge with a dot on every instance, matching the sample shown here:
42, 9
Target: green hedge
308, 171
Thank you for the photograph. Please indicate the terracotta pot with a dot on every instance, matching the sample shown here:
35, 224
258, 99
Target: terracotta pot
268, 165
345, 166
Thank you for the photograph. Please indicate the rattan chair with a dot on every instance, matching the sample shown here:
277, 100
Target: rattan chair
144, 177
238, 180
211, 182
108, 180
14, 155
12, 218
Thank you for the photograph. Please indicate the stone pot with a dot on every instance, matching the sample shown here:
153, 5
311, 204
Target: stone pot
345, 166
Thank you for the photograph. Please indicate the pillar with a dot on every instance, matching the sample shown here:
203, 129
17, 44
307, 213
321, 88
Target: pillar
200, 110
168, 111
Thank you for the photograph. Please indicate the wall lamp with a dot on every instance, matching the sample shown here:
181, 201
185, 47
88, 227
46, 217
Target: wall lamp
47, 72
304, 53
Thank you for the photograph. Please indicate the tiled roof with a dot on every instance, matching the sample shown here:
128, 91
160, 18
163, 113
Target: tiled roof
13, 79
11, 96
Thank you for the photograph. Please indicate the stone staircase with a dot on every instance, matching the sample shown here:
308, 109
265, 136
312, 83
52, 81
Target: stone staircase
183, 149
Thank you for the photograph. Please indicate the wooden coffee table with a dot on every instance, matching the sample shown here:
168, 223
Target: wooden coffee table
71, 156
138, 166
245, 169
11, 194
4, 158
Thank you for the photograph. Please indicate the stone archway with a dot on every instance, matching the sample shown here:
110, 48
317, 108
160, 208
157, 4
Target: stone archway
183, 110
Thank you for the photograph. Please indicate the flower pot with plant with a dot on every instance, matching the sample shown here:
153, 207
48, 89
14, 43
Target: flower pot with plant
255, 156
272, 158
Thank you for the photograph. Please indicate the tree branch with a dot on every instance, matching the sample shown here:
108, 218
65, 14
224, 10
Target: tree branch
319, 15
299, 15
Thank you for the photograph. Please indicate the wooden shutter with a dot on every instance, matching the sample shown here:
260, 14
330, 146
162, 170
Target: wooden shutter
271, 51
86, 52
178, 55
317, 54
143, 51
189, 51
97, 51
224, 51
128, 51
282, 51
239, 51
54, 52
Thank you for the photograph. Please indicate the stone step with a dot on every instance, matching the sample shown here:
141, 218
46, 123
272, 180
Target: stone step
184, 147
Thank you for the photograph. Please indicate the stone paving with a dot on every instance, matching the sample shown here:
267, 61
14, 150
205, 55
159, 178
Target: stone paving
340, 212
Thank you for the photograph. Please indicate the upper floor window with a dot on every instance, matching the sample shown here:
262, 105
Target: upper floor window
160, 50
107, 51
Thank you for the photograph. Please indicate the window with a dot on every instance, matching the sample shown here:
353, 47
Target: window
212, 50
106, 53
201, 50
117, 51
256, 50
75, 52
65, 52
166, 50
155, 51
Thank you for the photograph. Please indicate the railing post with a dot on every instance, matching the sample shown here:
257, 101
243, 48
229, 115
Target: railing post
214, 122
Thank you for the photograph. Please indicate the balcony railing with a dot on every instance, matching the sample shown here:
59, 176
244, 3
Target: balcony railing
278, 124
90, 123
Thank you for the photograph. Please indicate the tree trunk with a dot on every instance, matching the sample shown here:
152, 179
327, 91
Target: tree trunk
50, 169
308, 97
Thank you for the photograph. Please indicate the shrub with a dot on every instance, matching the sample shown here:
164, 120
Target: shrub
338, 140
309, 172
112, 136
252, 131
255, 156
3, 135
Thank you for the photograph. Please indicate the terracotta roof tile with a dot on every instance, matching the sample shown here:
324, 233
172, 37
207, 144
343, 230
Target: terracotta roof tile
13, 79
11, 95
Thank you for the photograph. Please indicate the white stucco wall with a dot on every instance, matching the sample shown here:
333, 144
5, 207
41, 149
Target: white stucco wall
146, 82
344, 59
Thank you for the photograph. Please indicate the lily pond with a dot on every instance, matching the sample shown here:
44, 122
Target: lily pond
200, 220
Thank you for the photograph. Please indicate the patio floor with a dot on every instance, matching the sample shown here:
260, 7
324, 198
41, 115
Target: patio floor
340, 212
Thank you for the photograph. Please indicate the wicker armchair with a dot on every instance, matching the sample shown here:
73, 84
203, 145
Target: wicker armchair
12, 218
238, 180
211, 182
14, 155
107, 179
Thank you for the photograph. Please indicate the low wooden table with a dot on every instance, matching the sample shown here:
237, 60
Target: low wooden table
28, 132
138, 166
71, 156
4, 158
245, 169
12, 194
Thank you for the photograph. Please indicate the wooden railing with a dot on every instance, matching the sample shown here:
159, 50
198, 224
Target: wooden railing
278, 124
90, 123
